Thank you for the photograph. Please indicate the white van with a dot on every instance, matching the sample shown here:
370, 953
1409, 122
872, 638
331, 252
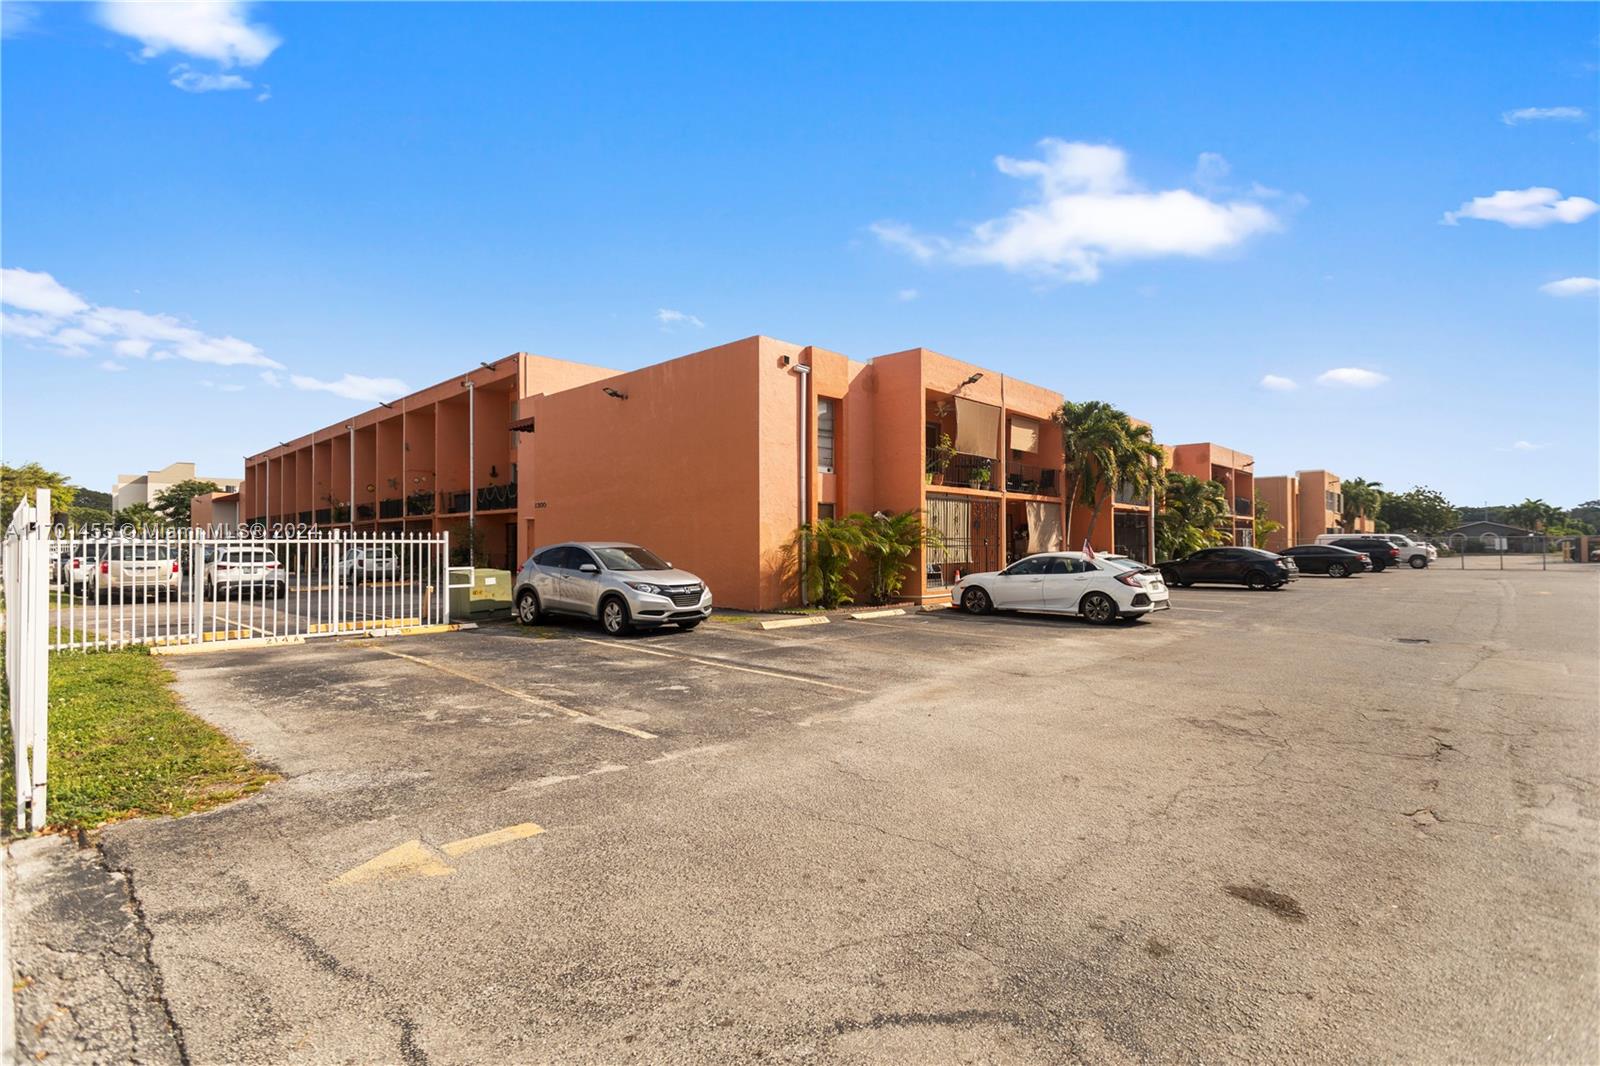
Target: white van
1417, 554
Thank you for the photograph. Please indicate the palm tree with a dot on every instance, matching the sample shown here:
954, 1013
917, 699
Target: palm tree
1533, 514
890, 541
1105, 451
822, 553
1192, 516
1362, 499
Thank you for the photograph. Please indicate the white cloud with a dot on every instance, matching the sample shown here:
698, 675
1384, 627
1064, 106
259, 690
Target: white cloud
30, 290
1278, 383
1087, 210
1210, 170
111, 366
1577, 286
63, 320
1542, 114
353, 387
1524, 208
905, 296
225, 386
273, 378
217, 30
669, 318
1352, 377
1525, 446
194, 81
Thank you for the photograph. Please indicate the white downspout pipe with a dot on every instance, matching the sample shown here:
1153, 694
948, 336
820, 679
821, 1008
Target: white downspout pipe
804, 373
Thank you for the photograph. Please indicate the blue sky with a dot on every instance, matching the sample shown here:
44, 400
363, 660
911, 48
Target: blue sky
1158, 206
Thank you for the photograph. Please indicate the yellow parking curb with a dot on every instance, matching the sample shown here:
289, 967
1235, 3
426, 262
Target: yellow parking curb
788, 623
888, 612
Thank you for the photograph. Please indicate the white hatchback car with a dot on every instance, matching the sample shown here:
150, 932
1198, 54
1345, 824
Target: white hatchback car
1097, 589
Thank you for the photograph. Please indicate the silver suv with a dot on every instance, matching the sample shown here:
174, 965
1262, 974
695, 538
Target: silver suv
622, 586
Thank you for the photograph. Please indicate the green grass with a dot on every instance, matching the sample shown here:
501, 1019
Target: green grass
122, 746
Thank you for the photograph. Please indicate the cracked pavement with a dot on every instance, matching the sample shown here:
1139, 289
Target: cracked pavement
1257, 827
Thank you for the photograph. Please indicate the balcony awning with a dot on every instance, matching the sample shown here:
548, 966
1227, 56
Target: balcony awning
523, 425
977, 428
1044, 527
1024, 435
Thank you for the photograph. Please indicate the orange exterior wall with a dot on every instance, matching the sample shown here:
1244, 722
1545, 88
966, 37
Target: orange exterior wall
1281, 494
1235, 470
214, 511
701, 461
1316, 517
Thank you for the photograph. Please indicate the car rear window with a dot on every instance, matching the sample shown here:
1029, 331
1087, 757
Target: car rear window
244, 555
140, 552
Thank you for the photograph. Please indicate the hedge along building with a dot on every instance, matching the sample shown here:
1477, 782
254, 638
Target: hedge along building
712, 460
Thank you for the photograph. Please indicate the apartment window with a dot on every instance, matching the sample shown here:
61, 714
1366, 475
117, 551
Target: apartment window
826, 412
824, 510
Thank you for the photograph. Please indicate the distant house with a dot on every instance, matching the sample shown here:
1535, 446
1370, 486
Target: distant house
1491, 537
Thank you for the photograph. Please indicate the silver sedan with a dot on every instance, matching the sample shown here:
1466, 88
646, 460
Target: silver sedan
621, 586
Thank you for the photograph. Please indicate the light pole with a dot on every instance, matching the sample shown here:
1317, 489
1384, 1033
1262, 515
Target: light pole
472, 474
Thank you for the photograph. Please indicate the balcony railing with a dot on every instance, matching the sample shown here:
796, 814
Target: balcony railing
391, 508
1032, 480
497, 497
420, 503
1242, 506
973, 471
455, 502
364, 512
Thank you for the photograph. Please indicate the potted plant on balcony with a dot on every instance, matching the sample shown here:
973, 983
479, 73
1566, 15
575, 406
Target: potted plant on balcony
979, 478
944, 453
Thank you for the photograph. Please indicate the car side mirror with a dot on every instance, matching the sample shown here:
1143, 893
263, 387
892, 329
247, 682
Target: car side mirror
588, 568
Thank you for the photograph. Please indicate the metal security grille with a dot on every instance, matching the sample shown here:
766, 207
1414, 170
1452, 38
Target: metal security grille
969, 537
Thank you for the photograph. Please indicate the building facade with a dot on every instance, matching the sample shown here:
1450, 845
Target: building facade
144, 488
1305, 505
1234, 470
712, 460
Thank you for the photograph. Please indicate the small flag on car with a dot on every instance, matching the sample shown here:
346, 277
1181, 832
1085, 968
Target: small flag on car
1087, 550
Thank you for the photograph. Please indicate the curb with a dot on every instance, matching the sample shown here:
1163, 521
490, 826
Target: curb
888, 612
803, 620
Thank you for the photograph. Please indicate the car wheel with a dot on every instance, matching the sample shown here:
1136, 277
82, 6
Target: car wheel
1255, 581
528, 607
1337, 570
976, 601
1419, 562
614, 617
208, 592
690, 624
1098, 608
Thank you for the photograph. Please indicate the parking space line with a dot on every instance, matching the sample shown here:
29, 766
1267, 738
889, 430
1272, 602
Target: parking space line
722, 665
576, 716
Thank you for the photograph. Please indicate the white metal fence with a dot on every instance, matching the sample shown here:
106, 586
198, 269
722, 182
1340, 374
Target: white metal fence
70, 590
184, 586
27, 616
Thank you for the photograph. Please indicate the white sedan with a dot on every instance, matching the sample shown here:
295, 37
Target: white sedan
1098, 589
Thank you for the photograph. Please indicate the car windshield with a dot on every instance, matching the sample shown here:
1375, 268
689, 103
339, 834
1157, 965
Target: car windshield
629, 558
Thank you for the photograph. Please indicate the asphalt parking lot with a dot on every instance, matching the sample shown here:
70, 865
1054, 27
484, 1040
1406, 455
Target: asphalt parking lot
1351, 820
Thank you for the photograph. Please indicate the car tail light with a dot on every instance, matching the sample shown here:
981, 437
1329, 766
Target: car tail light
1394, 553
174, 566
272, 565
77, 564
1131, 580
105, 568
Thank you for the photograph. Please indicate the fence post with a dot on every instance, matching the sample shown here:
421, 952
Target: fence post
335, 581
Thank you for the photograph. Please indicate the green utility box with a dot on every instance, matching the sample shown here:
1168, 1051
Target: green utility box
489, 593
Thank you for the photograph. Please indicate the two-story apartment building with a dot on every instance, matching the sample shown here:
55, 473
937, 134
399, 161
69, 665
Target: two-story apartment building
1305, 505
712, 459
1234, 470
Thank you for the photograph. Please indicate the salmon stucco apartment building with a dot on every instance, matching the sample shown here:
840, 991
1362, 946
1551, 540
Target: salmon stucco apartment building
712, 460
1305, 505
1234, 470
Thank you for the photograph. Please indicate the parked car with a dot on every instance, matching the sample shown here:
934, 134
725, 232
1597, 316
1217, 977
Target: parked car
1327, 559
1381, 551
1099, 589
238, 569
622, 586
370, 564
1252, 567
133, 569
1414, 553
77, 565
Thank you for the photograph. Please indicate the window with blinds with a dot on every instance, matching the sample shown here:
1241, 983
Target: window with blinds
826, 416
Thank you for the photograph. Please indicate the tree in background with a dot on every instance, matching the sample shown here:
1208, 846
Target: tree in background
1362, 499
1191, 515
1534, 514
1419, 510
100, 501
175, 501
1585, 517
19, 482
1265, 526
1105, 451
140, 516
888, 542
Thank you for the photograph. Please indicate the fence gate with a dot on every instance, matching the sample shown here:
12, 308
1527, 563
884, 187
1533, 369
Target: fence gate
69, 590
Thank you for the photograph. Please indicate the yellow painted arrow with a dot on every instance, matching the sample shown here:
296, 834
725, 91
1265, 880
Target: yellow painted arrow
416, 859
